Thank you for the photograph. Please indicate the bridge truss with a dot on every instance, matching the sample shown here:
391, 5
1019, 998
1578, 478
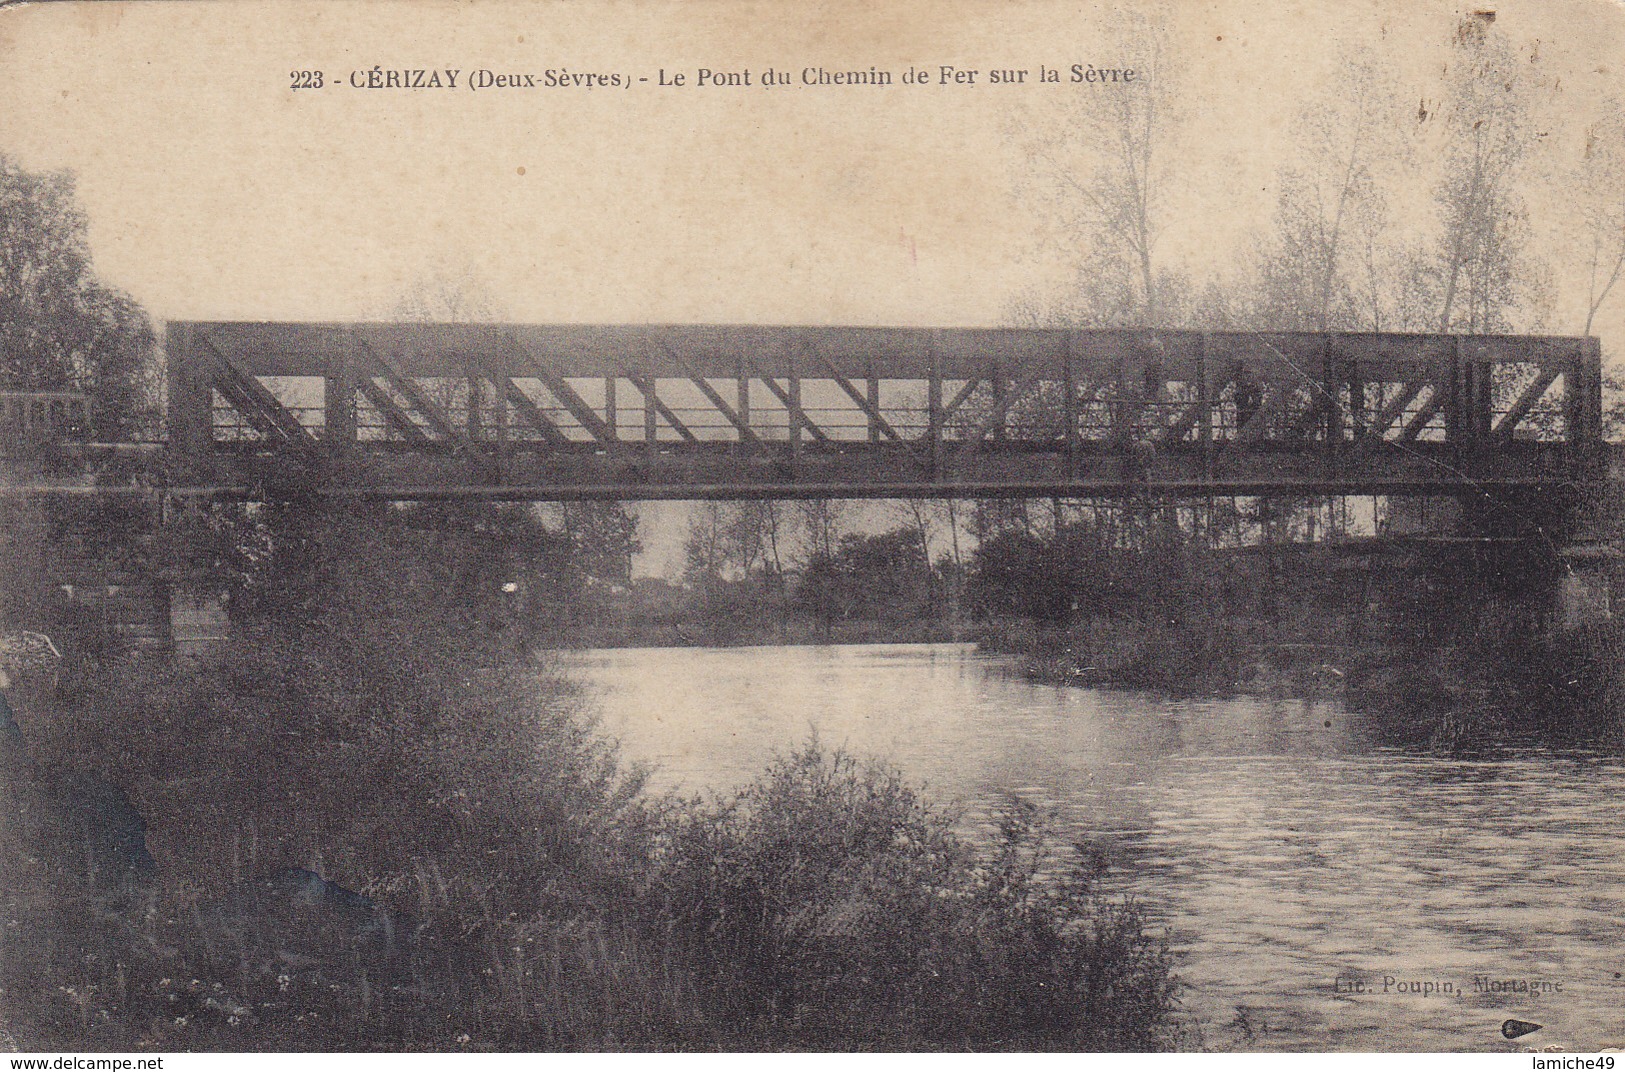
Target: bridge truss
409, 410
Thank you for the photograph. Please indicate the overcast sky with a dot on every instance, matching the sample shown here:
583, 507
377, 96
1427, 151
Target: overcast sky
216, 192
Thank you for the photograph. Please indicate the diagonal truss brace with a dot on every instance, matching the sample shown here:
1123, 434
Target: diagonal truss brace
800, 414
1432, 406
1277, 394
746, 433
396, 417
584, 414
1181, 425
407, 389
1000, 410
869, 409
646, 385
1373, 434
1525, 402
532, 414
260, 407
1385, 417
959, 398
922, 442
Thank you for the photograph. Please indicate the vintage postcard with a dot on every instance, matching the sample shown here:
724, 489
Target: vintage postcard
750, 526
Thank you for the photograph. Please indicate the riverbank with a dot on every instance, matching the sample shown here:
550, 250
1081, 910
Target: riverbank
1480, 689
754, 921
373, 821
634, 633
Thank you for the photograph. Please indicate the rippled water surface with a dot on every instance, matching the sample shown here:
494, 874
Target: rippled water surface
1292, 860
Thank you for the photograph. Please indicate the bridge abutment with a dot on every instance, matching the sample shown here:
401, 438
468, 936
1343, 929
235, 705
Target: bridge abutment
1592, 579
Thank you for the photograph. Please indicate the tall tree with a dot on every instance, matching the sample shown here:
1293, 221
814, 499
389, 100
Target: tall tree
1317, 270
1485, 274
821, 521
1102, 174
705, 550
1597, 194
604, 539
1598, 190
447, 296
733, 540
61, 328
443, 295
756, 532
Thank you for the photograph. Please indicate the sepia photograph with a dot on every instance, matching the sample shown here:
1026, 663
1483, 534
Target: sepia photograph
934, 526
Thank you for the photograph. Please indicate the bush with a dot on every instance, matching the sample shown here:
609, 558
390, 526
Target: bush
828, 906
373, 720
373, 714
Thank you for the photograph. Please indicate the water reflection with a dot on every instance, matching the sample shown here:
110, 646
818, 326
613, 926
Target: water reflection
1309, 875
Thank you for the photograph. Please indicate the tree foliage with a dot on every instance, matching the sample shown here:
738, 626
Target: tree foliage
1325, 263
61, 328
1344, 248
383, 658
1483, 272
882, 577
603, 538
828, 894
1599, 189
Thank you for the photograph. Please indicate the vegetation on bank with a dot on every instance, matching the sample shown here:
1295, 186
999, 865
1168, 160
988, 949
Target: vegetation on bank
1449, 645
377, 823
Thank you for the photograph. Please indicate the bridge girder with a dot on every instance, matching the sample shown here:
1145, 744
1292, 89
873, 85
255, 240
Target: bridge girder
484, 410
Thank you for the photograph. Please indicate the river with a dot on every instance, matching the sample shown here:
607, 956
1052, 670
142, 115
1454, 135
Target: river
1322, 892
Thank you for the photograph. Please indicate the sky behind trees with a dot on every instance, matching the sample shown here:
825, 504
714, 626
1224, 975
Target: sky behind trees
213, 191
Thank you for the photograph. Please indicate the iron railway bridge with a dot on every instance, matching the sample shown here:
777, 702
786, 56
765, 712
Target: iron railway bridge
417, 411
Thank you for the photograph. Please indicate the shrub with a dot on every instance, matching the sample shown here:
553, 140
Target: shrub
372, 713
827, 904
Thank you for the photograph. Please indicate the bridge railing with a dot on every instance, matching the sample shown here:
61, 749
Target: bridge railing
33, 420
